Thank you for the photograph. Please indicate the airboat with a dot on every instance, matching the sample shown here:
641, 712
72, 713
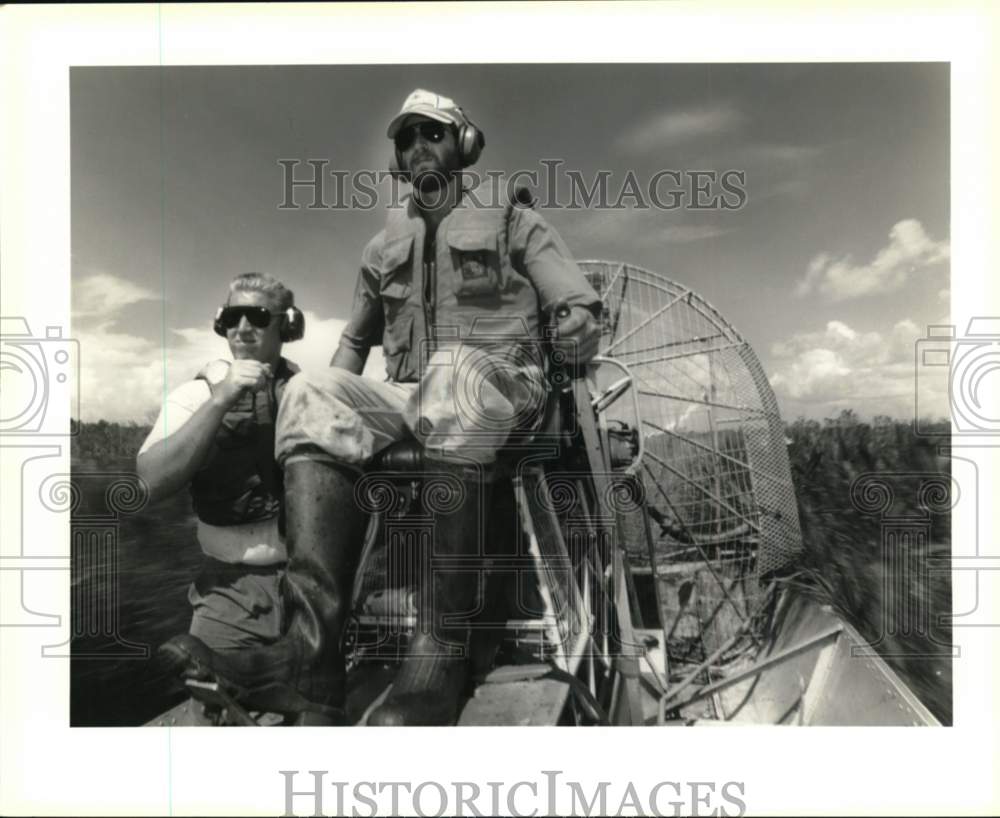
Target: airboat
637, 552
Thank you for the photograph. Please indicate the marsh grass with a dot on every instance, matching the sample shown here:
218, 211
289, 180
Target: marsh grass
899, 605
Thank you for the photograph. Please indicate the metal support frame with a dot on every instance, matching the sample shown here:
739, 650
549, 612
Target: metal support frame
626, 660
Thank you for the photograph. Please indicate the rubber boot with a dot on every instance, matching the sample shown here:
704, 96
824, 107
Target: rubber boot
431, 680
304, 670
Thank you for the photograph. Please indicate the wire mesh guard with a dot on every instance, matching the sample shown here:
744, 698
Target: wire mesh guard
715, 469
715, 465
718, 489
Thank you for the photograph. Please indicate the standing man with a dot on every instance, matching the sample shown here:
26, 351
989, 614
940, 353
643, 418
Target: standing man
215, 436
458, 293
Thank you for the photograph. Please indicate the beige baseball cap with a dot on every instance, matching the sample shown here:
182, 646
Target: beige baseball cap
427, 104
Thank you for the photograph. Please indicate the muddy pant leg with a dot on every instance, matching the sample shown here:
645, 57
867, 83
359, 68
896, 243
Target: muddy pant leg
463, 412
338, 417
470, 400
328, 427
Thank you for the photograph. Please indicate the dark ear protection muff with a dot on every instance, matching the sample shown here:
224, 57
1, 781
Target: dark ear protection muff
469, 140
217, 323
293, 324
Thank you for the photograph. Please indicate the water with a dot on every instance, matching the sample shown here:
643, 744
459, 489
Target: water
157, 557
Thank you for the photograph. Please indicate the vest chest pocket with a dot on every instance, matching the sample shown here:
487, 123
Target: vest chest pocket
476, 265
396, 345
394, 295
395, 285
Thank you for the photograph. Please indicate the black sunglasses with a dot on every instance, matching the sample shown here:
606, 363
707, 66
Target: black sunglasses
431, 131
259, 317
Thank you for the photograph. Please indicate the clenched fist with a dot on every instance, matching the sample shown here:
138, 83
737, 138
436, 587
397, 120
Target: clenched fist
243, 375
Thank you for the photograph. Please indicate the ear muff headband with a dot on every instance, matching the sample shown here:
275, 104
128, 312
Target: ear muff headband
293, 324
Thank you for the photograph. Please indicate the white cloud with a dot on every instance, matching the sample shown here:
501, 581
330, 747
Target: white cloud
103, 295
839, 367
909, 250
314, 351
778, 153
813, 374
125, 377
673, 127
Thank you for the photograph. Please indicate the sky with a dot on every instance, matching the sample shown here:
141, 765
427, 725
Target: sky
832, 268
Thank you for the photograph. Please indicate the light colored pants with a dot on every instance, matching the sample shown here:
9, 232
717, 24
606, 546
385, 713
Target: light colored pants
463, 410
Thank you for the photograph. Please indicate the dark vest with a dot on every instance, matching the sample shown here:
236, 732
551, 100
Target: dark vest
240, 482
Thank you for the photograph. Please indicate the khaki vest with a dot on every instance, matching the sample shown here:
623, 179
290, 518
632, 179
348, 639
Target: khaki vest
480, 295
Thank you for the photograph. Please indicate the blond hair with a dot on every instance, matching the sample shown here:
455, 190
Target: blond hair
263, 283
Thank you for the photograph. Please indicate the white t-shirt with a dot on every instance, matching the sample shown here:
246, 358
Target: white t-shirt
256, 543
